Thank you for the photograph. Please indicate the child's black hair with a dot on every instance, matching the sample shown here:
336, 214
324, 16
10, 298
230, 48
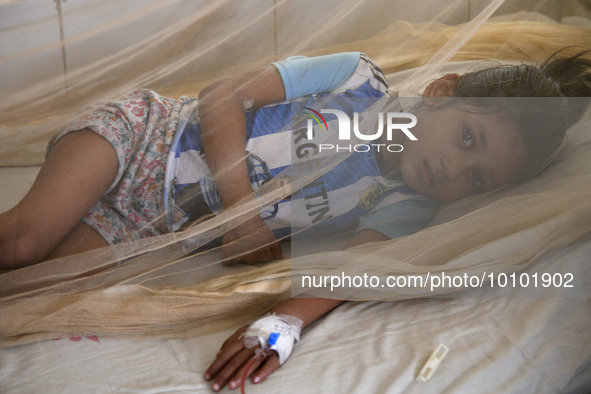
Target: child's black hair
543, 122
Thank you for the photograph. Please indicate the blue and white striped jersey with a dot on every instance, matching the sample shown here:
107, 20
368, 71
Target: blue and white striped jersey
334, 201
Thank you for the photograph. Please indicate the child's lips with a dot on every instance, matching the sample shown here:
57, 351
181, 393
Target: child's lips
426, 174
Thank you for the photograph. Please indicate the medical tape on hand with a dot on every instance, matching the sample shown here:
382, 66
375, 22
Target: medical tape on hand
289, 328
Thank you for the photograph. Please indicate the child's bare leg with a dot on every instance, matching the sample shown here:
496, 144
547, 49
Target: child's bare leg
78, 171
82, 238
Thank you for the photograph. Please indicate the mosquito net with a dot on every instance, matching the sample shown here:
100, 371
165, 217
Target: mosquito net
64, 56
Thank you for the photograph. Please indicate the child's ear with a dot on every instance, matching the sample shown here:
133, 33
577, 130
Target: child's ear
441, 87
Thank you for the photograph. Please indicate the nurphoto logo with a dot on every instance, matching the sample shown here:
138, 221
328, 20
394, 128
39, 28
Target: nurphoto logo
344, 125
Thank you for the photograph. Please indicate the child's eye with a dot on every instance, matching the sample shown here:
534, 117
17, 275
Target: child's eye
477, 180
467, 138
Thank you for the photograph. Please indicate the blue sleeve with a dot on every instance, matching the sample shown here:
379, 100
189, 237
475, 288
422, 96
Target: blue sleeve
401, 218
303, 76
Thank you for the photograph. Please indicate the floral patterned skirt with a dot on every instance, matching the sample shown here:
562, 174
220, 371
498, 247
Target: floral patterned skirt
140, 127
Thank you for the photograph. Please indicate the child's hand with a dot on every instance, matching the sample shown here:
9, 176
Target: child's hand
232, 360
251, 242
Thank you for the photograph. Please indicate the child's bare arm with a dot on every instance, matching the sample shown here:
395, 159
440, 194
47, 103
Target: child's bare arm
233, 357
223, 127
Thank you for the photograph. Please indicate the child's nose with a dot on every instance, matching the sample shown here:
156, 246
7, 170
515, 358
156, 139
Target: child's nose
454, 168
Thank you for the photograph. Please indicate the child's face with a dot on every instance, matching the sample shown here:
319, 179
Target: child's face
459, 153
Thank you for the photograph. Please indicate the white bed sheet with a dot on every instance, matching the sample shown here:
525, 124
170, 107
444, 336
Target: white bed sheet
497, 345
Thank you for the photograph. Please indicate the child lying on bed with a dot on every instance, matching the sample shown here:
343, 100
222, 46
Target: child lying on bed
136, 168
472, 146
119, 173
